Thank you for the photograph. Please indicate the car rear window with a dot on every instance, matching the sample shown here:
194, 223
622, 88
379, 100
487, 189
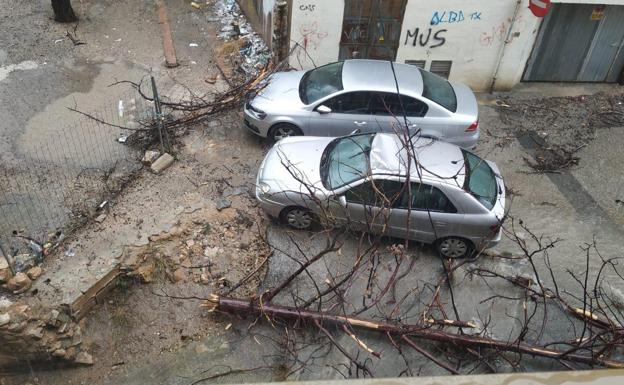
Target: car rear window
439, 90
480, 180
320, 82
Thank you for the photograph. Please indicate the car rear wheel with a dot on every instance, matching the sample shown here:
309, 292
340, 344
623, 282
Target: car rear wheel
454, 247
283, 130
298, 218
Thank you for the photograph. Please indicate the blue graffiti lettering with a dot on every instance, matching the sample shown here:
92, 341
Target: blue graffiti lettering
475, 16
450, 17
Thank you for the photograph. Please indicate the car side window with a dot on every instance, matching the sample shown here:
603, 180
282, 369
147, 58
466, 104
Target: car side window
350, 103
427, 197
387, 104
378, 193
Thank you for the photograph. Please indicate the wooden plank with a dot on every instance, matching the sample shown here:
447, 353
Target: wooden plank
165, 30
95, 294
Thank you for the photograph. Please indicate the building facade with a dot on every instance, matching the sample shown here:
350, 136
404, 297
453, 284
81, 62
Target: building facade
486, 44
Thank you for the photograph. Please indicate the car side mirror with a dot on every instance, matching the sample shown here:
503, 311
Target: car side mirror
323, 109
342, 200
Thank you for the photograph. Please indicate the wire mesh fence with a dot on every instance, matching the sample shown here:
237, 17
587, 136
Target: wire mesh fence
55, 181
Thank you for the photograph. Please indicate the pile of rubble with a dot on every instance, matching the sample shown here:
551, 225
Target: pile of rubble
30, 337
234, 26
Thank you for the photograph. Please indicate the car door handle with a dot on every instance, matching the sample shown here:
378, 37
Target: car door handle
360, 124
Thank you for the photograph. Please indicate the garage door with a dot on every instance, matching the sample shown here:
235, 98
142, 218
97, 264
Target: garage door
579, 43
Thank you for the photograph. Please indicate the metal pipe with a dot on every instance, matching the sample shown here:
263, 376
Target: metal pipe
501, 52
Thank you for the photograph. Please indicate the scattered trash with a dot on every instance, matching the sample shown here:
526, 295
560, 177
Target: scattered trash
102, 205
120, 108
23, 262
70, 253
195, 5
58, 41
234, 26
118, 39
100, 218
122, 139
193, 45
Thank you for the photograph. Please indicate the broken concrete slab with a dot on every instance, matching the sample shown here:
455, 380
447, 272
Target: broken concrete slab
164, 161
150, 157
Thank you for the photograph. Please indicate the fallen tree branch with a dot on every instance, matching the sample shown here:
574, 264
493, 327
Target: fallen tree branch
247, 306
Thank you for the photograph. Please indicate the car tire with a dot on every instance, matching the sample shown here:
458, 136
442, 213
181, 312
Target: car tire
283, 130
454, 247
299, 218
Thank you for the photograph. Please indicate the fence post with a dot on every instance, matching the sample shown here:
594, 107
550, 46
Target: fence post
159, 117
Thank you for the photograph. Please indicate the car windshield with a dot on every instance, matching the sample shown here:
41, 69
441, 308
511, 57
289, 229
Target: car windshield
345, 160
439, 90
480, 180
320, 82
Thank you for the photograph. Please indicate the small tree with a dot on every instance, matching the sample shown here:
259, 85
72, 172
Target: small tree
63, 12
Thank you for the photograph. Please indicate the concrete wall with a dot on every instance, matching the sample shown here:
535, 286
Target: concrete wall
470, 33
260, 15
315, 26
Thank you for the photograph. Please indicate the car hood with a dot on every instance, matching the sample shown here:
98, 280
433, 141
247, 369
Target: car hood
281, 91
293, 164
466, 102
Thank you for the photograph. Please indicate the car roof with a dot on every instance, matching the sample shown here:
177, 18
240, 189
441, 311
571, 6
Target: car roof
376, 75
440, 161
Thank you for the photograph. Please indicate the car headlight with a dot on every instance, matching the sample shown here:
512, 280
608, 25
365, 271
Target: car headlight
264, 188
256, 111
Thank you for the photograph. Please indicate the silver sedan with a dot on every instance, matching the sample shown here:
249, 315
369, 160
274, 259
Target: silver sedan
454, 199
340, 98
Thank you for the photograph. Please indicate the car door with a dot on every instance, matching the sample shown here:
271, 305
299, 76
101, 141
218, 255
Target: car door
388, 112
431, 214
349, 112
370, 205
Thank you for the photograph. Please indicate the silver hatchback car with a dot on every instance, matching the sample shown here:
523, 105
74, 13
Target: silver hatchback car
339, 98
454, 199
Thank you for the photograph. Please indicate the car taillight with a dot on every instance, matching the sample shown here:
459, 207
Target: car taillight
473, 127
495, 228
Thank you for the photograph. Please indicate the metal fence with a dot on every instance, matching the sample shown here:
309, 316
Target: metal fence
53, 182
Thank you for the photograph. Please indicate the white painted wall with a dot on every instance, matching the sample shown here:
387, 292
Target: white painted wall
315, 25
471, 33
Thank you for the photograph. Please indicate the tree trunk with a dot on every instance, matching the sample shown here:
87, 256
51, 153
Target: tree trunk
254, 306
63, 12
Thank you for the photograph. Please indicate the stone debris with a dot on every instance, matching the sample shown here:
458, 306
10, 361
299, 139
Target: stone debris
5, 270
100, 218
34, 272
179, 275
164, 161
84, 358
150, 157
223, 203
19, 283
5, 318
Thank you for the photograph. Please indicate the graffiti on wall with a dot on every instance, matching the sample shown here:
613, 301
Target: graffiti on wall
450, 17
498, 33
307, 7
311, 35
425, 37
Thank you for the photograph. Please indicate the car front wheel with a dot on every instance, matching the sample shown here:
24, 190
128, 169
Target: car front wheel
454, 247
283, 130
298, 218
